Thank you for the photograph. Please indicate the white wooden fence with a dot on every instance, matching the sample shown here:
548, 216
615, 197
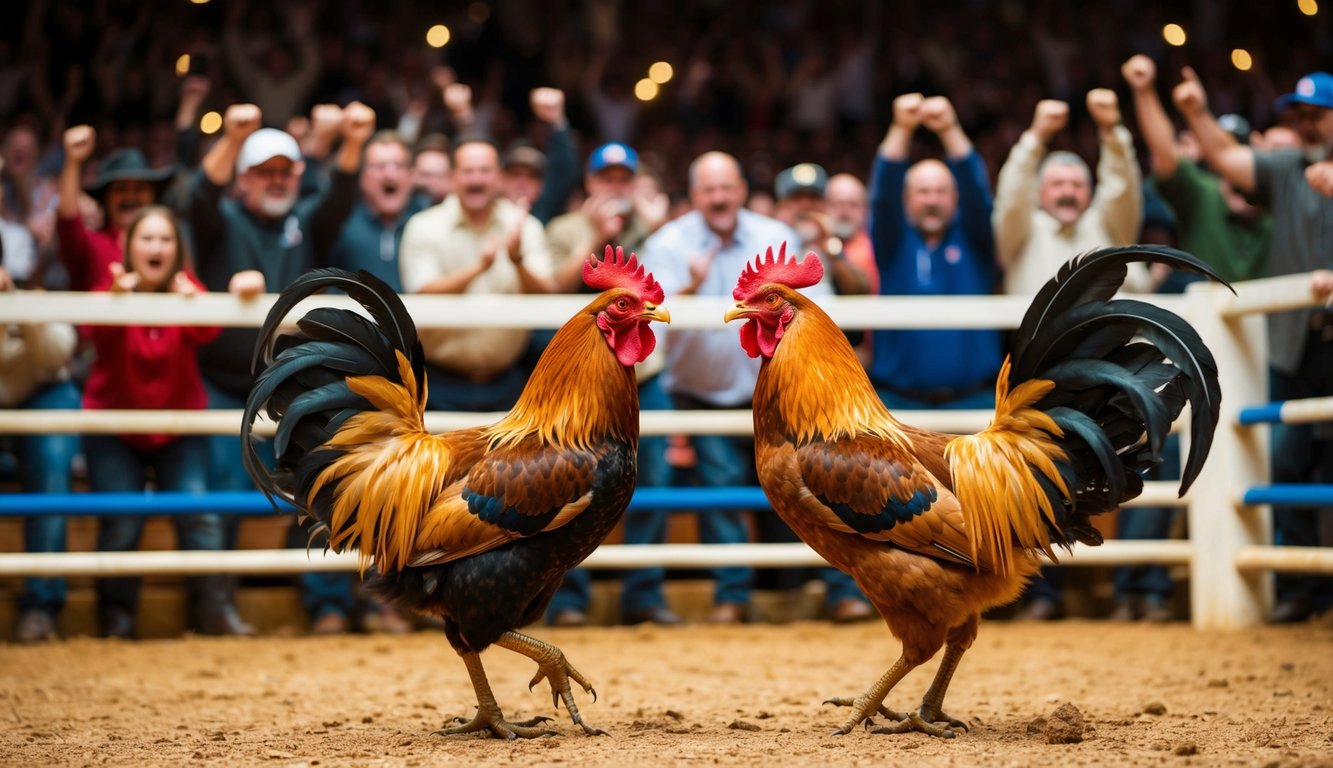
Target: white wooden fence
1228, 553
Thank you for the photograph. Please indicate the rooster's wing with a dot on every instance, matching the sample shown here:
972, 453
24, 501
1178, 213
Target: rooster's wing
872, 487
513, 491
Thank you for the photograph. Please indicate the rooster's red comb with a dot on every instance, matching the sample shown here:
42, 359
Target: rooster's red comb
782, 269
616, 270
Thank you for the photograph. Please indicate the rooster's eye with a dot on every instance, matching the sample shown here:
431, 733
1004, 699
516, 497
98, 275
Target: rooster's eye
772, 299
622, 304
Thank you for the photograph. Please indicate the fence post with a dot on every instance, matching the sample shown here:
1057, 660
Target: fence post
1223, 597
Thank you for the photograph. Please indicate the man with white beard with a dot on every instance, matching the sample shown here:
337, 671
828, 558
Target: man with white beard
260, 241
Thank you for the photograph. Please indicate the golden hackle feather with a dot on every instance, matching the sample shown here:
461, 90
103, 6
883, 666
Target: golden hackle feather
992, 471
577, 393
817, 382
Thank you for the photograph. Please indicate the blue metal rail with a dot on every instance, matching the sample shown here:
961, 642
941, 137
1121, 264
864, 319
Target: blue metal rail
253, 503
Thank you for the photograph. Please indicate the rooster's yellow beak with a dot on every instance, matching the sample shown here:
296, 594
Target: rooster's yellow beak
735, 312
655, 313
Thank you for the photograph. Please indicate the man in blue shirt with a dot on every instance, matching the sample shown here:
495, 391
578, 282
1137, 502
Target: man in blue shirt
701, 253
370, 238
930, 225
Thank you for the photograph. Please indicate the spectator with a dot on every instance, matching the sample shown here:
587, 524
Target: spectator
1045, 209
801, 203
475, 242
622, 211
1046, 213
848, 205
541, 183
371, 236
1300, 343
1216, 222
262, 241
431, 167
29, 197
280, 76
930, 225
34, 374
701, 253
124, 186
148, 368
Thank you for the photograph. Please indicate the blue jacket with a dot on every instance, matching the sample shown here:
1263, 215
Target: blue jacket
963, 263
365, 243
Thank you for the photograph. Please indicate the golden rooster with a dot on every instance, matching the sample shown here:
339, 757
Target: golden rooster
476, 526
937, 528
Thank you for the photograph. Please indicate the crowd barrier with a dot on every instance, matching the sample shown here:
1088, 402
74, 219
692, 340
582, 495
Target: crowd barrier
1230, 561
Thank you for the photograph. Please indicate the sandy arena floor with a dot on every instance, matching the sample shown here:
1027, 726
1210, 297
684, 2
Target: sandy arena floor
688, 696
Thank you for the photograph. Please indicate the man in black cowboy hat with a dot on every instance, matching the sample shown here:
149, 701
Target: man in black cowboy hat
125, 183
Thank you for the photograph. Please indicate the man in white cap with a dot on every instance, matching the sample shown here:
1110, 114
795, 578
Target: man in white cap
260, 242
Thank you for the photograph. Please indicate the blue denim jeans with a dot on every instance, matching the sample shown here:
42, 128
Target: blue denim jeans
44, 463
1303, 453
320, 592
116, 466
641, 589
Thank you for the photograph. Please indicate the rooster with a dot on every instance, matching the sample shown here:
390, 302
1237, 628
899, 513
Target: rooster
937, 528
476, 526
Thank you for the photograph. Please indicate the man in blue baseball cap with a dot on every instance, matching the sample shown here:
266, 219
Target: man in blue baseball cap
623, 208
1300, 342
1309, 109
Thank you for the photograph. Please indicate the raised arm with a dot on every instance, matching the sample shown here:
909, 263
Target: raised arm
906, 117
219, 163
71, 236
1155, 126
1228, 158
1016, 188
562, 165
1118, 199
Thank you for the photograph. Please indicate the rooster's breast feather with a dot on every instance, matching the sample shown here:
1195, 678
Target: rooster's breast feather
871, 487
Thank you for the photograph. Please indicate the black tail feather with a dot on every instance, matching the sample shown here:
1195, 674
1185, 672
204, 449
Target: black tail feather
303, 385
1124, 370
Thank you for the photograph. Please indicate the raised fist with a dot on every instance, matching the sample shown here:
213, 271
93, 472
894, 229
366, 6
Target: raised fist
937, 114
241, 120
326, 121
1048, 118
358, 122
1104, 107
548, 104
907, 110
79, 143
1139, 72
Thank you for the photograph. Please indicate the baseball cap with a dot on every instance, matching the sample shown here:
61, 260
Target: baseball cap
1315, 88
264, 145
1236, 125
525, 156
613, 154
806, 177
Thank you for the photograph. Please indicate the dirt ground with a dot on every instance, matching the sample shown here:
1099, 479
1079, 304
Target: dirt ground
683, 696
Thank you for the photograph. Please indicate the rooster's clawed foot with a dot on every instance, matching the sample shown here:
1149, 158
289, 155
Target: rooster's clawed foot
491, 719
556, 669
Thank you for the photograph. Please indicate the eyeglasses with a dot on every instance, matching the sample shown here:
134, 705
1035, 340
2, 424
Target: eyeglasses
387, 165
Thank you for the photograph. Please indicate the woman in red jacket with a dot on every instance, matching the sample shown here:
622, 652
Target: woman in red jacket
152, 367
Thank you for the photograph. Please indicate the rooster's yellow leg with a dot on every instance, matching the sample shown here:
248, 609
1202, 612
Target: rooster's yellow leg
933, 702
489, 717
556, 669
871, 702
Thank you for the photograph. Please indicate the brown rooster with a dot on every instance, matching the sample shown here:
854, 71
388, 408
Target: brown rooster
476, 526
937, 528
